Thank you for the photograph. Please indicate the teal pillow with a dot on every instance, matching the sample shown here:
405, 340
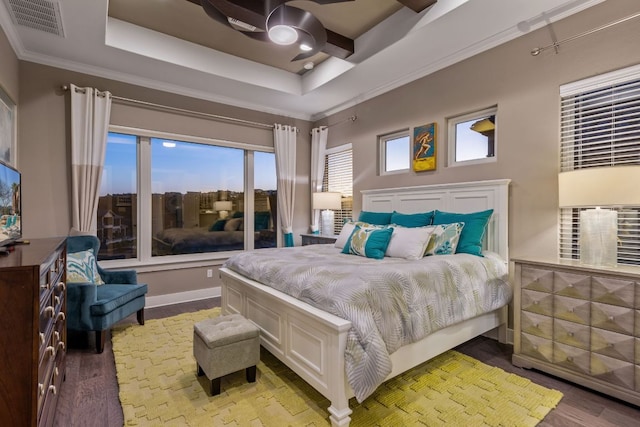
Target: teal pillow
368, 242
238, 214
218, 225
375, 218
261, 220
475, 226
412, 220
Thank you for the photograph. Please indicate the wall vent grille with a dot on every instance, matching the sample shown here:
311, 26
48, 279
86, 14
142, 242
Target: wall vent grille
41, 15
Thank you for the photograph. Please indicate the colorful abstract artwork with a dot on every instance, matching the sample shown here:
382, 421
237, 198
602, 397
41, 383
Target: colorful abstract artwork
424, 148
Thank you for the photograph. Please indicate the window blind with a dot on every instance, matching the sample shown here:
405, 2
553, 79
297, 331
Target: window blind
600, 127
338, 176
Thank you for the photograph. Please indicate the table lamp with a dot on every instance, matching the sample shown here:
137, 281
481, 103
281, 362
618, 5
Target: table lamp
223, 207
599, 186
327, 202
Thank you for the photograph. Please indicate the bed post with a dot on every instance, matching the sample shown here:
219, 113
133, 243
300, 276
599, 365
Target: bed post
338, 385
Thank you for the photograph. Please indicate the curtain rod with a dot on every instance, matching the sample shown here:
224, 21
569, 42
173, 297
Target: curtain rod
555, 44
348, 119
180, 110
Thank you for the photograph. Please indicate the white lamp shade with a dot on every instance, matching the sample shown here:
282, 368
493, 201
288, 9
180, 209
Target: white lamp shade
327, 200
606, 186
223, 205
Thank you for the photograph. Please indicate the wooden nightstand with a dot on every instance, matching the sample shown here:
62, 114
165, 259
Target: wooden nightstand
317, 239
580, 323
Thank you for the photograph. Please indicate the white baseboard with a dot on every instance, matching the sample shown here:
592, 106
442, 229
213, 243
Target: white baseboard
177, 298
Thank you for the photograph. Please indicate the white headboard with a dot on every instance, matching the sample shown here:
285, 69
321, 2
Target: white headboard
460, 197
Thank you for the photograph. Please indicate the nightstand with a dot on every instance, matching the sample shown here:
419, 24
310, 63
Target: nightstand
317, 239
580, 323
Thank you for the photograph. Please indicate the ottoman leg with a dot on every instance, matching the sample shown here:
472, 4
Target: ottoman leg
215, 386
251, 374
200, 371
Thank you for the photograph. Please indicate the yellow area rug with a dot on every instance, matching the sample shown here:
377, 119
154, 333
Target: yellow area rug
159, 386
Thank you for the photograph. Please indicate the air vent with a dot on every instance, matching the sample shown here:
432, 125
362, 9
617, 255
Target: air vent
41, 15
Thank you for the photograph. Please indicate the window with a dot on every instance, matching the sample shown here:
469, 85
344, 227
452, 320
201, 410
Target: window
472, 137
600, 127
338, 176
395, 152
162, 197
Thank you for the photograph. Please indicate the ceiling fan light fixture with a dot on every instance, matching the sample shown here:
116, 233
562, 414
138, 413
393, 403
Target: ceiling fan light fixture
283, 34
305, 47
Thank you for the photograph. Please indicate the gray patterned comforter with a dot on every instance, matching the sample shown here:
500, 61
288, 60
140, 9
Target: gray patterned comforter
390, 302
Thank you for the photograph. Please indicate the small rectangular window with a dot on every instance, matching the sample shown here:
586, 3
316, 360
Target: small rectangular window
395, 152
472, 137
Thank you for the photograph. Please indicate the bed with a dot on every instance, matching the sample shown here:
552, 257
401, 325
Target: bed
314, 342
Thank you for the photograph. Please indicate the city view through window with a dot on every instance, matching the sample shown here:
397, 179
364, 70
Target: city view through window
196, 197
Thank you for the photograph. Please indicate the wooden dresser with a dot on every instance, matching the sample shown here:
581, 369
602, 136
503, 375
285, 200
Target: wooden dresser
581, 323
33, 337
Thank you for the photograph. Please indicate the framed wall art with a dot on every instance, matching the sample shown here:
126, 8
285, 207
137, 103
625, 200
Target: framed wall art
424, 148
7, 129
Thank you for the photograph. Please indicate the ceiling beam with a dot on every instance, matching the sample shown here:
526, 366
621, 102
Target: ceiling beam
417, 5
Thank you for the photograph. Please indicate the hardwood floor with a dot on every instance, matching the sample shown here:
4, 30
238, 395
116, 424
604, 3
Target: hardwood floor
89, 396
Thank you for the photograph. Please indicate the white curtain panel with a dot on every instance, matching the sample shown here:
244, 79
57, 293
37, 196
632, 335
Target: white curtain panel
90, 111
284, 142
318, 149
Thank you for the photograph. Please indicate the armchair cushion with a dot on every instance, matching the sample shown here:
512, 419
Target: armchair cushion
110, 297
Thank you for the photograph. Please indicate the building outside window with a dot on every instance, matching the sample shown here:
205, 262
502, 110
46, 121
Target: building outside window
162, 197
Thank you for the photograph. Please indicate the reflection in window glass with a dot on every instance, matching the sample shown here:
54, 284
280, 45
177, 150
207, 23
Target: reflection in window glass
197, 200
117, 204
265, 200
472, 137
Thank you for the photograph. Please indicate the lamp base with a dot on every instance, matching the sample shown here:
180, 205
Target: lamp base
599, 237
327, 222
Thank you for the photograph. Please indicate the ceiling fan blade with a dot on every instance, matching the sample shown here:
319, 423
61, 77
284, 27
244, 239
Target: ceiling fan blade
330, 1
260, 36
418, 5
214, 13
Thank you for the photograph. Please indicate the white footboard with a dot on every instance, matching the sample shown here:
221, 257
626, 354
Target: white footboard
309, 341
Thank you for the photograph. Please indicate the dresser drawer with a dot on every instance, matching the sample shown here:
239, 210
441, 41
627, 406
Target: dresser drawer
572, 334
613, 371
537, 302
537, 324
540, 348
572, 309
613, 291
613, 344
572, 285
613, 318
573, 358
536, 279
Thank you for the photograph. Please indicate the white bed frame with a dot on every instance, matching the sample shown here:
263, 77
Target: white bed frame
312, 342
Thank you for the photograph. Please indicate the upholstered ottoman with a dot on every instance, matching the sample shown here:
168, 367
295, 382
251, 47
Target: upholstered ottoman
226, 344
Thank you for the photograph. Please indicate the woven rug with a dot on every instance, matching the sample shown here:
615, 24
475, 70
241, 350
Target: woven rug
158, 386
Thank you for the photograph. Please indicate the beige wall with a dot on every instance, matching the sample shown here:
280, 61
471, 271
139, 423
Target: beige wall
44, 148
526, 91
8, 68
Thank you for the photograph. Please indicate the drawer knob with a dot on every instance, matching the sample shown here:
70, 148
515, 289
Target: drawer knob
51, 350
570, 334
610, 345
537, 326
536, 302
61, 316
56, 300
52, 390
40, 389
611, 318
535, 347
49, 311
61, 286
569, 359
61, 345
41, 335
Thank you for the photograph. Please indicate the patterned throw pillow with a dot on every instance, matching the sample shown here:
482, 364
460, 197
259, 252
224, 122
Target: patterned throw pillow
348, 228
368, 242
444, 239
82, 268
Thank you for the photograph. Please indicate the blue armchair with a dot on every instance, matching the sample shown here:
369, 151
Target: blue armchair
92, 307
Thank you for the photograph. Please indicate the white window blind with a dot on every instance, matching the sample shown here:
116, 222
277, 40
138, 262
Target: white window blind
600, 127
338, 176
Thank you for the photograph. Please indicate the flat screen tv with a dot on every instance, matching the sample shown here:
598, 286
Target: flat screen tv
10, 219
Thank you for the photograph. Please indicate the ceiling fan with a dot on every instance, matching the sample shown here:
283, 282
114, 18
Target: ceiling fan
275, 21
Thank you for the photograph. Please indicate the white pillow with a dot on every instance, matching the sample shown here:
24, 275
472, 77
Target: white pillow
409, 242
